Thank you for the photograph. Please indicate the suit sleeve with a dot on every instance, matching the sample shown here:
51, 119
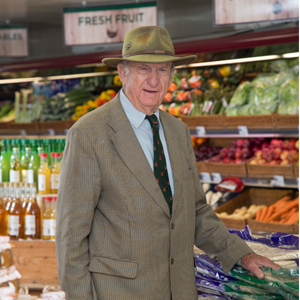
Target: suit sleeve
78, 196
211, 235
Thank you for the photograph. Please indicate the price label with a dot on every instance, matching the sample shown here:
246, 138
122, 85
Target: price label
23, 133
279, 180
216, 177
205, 177
243, 130
51, 132
201, 131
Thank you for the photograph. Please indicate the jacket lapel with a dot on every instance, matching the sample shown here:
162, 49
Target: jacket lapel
131, 152
173, 150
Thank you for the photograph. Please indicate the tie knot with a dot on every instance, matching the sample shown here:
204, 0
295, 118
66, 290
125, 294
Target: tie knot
152, 119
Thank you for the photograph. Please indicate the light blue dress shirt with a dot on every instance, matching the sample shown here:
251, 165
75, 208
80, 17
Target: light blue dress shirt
142, 130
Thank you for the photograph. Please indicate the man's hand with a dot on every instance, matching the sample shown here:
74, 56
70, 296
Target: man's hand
253, 261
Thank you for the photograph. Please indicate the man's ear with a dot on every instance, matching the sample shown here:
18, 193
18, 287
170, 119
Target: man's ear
122, 73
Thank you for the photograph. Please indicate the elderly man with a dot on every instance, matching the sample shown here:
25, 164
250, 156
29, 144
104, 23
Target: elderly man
130, 205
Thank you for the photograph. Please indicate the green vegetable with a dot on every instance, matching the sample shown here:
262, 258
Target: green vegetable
290, 108
289, 90
241, 95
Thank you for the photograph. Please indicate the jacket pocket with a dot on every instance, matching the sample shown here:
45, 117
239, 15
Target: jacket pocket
114, 267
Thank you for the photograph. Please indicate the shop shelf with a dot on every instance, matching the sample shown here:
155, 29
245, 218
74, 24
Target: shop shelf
286, 121
252, 122
209, 122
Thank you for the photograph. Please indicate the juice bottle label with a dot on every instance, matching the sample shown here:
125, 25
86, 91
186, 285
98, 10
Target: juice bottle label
14, 176
52, 227
46, 227
29, 225
13, 225
42, 182
30, 176
24, 176
0, 175
55, 181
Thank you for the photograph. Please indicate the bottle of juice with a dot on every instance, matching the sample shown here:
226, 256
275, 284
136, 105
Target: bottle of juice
3, 220
4, 162
47, 219
34, 164
32, 216
15, 166
27, 193
44, 175
53, 220
15, 216
22, 191
25, 159
55, 173
5, 192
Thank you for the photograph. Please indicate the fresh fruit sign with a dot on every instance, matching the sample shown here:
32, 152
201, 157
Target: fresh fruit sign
106, 24
13, 41
228, 12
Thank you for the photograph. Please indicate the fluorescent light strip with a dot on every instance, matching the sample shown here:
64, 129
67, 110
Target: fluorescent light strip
290, 55
84, 75
205, 64
231, 61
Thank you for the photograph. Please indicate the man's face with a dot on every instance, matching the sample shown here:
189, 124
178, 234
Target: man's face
146, 84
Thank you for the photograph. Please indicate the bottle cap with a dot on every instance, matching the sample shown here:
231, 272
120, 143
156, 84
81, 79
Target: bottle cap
43, 155
48, 199
27, 149
21, 184
54, 199
27, 185
11, 184
52, 154
1, 184
57, 155
15, 149
33, 184
6, 184
16, 184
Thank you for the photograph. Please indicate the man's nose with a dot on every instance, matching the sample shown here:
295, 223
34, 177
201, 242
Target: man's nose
153, 78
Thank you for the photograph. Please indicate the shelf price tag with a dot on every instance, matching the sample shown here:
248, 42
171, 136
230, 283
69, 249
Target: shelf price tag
205, 177
200, 130
51, 132
279, 180
243, 130
216, 177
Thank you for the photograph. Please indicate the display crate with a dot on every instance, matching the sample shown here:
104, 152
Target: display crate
28, 127
257, 196
268, 171
209, 122
238, 170
296, 170
286, 121
252, 122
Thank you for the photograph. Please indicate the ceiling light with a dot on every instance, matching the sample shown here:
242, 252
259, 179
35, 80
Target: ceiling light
290, 55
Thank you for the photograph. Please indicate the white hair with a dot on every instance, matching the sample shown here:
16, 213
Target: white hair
125, 64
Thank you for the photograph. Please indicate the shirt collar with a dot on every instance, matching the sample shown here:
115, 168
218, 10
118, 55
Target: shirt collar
135, 116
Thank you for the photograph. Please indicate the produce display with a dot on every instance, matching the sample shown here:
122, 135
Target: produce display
264, 152
242, 213
283, 211
277, 152
267, 93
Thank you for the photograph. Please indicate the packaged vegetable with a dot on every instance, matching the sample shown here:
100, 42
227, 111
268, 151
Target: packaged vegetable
241, 94
290, 108
289, 90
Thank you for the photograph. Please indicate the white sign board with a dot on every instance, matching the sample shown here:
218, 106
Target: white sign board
227, 12
106, 24
13, 41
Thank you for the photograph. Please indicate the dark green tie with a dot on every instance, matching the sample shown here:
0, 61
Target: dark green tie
160, 166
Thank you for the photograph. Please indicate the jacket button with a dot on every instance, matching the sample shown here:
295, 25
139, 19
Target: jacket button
172, 261
172, 226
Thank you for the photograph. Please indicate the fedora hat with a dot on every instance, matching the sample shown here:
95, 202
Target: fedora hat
149, 44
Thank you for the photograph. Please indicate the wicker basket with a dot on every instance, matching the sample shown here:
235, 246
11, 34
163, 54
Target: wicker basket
286, 121
268, 171
296, 170
272, 227
257, 196
254, 122
29, 127
238, 170
57, 126
209, 122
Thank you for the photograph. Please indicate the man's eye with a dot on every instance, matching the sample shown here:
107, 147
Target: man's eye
162, 71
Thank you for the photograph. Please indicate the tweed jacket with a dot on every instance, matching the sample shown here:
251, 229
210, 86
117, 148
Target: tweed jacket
115, 239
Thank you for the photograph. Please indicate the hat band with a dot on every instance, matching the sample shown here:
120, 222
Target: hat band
149, 52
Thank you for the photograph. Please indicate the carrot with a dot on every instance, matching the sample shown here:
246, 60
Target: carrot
293, 219
263, 213
286, 208
269, 213
258, 214
282, 201
290, 213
